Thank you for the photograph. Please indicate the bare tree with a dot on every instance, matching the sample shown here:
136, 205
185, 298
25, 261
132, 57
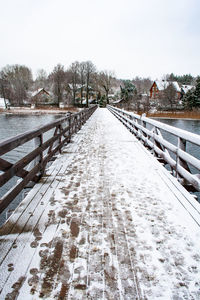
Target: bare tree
169, 96
106, 79
15, 83
3, 85
82, 71
89, 70
41, 80
58, 79
74, 78
97, 86
143, 85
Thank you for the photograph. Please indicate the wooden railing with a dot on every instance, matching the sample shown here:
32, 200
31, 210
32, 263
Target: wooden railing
150, 133
31, 167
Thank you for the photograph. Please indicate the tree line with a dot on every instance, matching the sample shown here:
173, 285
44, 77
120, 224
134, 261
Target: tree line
17, 80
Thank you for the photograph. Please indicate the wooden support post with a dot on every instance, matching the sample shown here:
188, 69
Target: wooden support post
182, 146
39, 159
70, 129
60, 138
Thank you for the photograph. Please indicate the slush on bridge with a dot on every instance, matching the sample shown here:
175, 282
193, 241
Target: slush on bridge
106, 219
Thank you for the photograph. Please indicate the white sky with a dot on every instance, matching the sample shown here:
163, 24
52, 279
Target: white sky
129, 37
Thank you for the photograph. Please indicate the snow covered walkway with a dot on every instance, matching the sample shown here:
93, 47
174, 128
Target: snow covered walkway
105, 222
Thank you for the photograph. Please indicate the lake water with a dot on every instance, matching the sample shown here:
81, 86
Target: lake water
189, 125
11, 125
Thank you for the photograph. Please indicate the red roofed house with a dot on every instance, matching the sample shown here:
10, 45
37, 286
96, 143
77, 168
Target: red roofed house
158, 87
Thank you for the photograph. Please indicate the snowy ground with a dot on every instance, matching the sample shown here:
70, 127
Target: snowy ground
103, 225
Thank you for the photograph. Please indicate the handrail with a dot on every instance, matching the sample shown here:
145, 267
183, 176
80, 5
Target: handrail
63, 128
181, 161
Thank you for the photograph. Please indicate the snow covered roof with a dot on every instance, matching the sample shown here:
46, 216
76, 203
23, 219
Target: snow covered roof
176, 85
163, 84
187, 87
117, 101
2, 102
33, 94
89, 101
142, 231
79, 86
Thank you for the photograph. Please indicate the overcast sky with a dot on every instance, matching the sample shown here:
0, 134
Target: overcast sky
129, 37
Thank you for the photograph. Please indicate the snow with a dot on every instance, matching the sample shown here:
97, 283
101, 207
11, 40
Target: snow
33, 94
112, 210
2, 102
163, 84
186, 88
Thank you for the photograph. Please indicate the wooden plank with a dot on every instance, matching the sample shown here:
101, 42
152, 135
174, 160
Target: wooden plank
41, 188
17, 169
11, 170
20, 172
107, 235
11, 194
33, 220
187, 200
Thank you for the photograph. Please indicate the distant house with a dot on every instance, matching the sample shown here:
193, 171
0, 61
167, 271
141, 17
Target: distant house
119, 103
40, 96
4, 103
159, 86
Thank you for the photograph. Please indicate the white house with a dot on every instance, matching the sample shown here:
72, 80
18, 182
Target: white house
185, 88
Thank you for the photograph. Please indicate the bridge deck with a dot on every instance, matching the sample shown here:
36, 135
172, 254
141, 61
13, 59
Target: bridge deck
105, 222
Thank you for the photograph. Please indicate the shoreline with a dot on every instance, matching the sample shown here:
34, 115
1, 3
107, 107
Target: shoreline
38, 111
176, 116
63, 111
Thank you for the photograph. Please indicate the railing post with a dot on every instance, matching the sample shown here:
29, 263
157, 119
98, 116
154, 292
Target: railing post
144, 124
154, 141
69, 131
79, 121
60, 138
82, 118
180, 162
39, 159
76, 127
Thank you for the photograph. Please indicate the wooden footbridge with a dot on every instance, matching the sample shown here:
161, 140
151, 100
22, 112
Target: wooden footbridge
105, 220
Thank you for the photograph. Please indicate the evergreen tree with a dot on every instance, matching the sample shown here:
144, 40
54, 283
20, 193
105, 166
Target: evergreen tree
103, 102
189, 100
197, 90
183, 79
128, 90
192, 97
